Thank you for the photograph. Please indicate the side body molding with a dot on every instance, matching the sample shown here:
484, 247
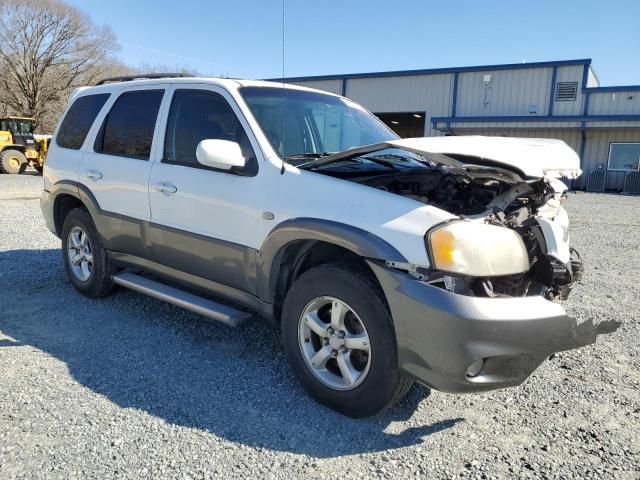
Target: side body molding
251, 283
354, 239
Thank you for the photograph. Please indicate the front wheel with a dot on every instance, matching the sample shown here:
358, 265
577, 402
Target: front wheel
339, 339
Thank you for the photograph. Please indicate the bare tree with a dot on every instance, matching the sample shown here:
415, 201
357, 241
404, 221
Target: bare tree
47, 48
145, 67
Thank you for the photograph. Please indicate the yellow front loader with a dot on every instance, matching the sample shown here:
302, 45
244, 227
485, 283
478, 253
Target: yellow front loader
18, 146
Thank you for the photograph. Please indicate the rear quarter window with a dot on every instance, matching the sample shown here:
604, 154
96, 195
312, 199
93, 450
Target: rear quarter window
128, 129
78, 121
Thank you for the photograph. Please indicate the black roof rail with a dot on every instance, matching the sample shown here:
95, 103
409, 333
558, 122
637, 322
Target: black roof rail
142, 76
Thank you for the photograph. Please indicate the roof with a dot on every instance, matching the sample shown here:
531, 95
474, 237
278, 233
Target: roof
229, 83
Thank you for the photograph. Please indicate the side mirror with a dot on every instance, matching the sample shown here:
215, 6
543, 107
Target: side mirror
221, 154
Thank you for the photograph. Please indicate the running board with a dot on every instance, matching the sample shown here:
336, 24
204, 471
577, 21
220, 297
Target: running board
208, 308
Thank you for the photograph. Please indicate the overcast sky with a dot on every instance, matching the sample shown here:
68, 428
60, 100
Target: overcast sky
243, 38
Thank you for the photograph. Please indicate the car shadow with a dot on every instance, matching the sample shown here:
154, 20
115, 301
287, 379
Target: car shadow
144, 354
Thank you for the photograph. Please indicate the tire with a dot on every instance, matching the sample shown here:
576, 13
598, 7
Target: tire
379, 383
98, 282
13, 161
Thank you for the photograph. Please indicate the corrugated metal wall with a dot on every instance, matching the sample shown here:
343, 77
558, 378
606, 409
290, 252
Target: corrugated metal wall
509, 92
459, 126
596, 151
614, 103
333, 86
570, 74
417, 93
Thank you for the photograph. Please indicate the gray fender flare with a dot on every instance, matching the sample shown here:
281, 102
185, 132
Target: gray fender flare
79, 191
362, 243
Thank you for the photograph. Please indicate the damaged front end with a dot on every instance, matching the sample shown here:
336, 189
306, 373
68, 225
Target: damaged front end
496, 196
533, 209
484, 313
492, 191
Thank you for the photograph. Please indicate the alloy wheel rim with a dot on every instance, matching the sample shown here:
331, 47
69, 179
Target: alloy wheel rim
80, 254
334, 343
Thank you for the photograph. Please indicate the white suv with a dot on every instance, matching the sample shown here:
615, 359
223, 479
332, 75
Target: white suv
384, 260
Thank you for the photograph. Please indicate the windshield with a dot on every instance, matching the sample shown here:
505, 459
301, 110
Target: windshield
314, 123
17, 127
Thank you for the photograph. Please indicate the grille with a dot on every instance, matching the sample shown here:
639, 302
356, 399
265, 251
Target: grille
632, 183
566, 91
596, 180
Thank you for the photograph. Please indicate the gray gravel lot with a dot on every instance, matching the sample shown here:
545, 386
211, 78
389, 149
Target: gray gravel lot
129, 387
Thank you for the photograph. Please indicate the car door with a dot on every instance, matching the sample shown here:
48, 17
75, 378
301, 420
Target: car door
204, 221
115, 169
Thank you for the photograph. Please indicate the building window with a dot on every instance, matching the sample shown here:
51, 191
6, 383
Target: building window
566, 91
624, 156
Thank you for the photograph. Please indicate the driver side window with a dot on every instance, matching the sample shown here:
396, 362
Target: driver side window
197, 115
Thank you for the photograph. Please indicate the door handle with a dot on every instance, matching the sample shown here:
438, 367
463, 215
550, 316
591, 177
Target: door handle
94, 174
165, 187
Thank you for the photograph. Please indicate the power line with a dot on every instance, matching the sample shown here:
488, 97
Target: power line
154, 50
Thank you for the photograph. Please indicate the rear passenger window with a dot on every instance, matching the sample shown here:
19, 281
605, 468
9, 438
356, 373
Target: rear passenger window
78, 121
197, 115
127, 130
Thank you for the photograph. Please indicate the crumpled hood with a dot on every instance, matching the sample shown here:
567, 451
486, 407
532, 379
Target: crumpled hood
534, 157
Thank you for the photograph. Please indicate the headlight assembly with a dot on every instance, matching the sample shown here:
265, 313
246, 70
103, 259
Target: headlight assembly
477, 249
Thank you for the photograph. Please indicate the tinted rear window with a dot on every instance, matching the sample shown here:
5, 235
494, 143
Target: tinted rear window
79, 119
128, 128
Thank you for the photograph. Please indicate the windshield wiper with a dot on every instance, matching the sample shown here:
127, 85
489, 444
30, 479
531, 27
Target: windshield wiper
305, 156
297, 156
379, 161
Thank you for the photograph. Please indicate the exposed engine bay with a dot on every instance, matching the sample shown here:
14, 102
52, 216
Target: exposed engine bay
494, 195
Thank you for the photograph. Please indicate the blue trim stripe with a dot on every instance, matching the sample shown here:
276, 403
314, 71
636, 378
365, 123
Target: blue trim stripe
454, 96
616, 88
552, 90
429, 71
538, 118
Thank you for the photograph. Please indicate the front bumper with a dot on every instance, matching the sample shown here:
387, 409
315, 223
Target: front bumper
46, 205
457, 343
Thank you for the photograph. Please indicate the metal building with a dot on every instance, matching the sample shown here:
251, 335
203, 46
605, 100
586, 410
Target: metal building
560, 99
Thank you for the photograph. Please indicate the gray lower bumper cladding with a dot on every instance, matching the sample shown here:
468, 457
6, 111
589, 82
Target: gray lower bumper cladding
457, 343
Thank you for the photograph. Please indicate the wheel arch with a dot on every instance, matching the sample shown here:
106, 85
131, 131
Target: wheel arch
67, 196
298, 244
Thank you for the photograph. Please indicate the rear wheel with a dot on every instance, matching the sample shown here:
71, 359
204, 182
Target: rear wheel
13, 161
339, 339
85, 259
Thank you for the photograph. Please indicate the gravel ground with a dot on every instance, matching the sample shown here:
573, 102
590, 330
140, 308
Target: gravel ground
129, 387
